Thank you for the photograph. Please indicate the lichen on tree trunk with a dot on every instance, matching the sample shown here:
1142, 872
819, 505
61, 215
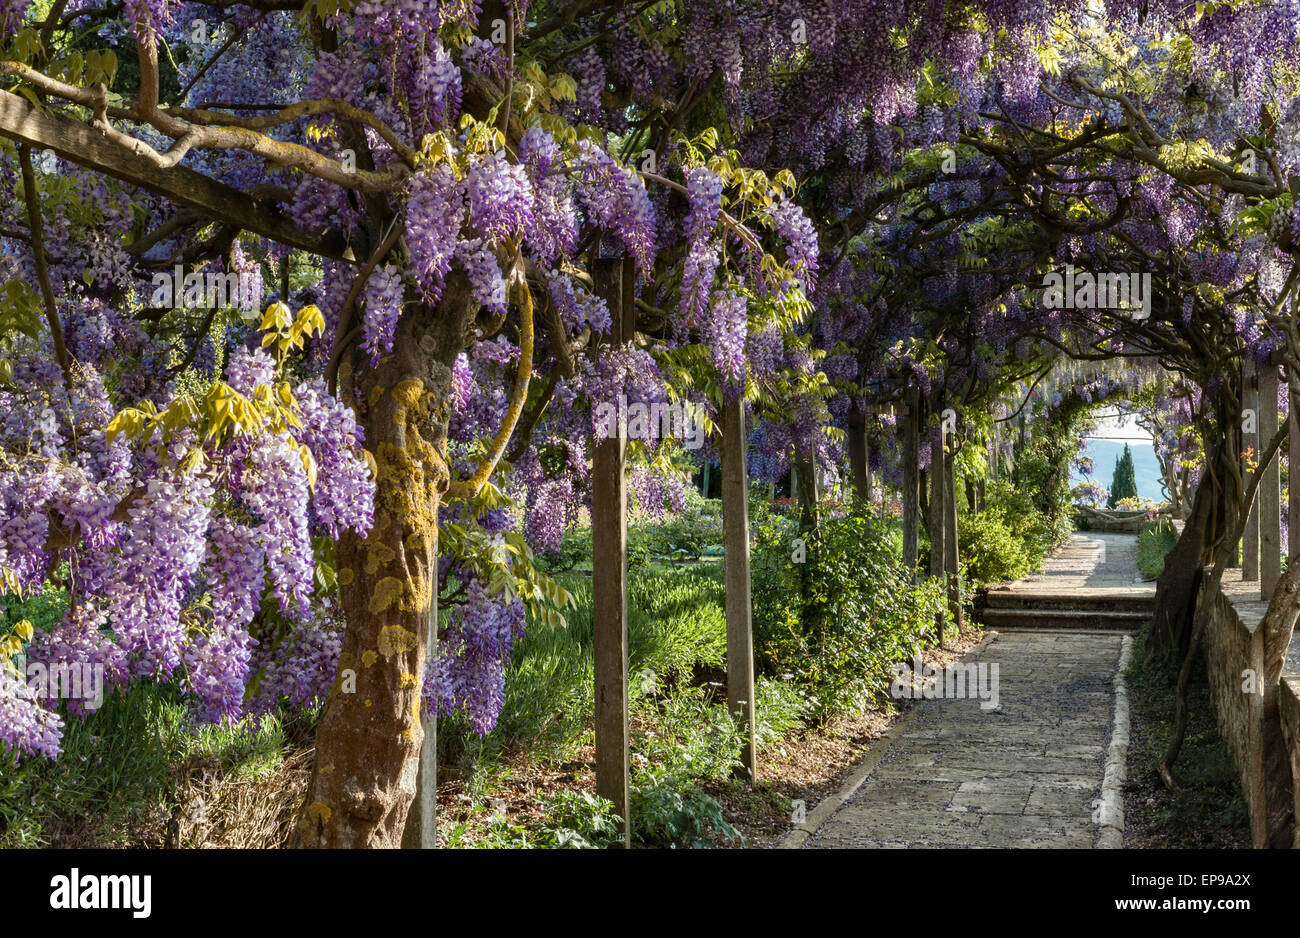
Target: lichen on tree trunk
368, 742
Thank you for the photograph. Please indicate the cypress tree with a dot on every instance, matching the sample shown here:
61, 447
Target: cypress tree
1124, 482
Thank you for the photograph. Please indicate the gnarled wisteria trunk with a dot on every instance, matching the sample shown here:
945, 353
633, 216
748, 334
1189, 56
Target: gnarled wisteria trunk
1215, 509
368, 743
1278, 625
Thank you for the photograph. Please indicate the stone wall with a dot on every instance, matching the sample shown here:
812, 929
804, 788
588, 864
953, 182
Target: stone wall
1232, 647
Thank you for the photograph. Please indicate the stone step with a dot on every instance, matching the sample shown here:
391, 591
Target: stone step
1104, 620
1091, 600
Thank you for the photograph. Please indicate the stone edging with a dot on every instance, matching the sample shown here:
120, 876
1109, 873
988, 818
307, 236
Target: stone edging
1111, 808
860, 773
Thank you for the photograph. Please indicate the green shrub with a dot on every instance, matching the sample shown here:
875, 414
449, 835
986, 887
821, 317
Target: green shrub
1010, 538
683, 536
666, 815
684, 735
579, 820
676, 620
836, 622
484, 829
549, 689
991, 550
574, 550
1154, 543
676, 623
1040, 481
783, 708
1007, 540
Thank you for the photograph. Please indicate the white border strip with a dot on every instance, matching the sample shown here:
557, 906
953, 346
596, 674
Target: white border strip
1111, 810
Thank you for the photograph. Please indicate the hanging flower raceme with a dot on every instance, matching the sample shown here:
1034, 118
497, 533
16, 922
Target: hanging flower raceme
727, 328
435, 209
173, 522
469, 672
500, 199
384, 296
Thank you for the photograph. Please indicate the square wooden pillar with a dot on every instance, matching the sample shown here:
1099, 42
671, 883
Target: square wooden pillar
1250, 439
1270, 492
613, 280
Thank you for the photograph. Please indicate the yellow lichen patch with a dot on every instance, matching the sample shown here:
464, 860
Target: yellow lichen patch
378, 554
368, 657
408, 393
346, 576
394, 640
420, 596
406, 679
375, 394
415, 542
326, 769
404, 487
387, 592
370, 703
408, 734
319, 812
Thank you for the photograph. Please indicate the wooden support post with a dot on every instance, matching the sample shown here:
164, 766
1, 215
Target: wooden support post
934, 476
421, 831
1250, 536
1270, 494
707, 467
858, 456
938, 514
1293, 483
995, 457
910, 495
609, 575
1255, 771
807, 481
735, 541
951, 562
871, 480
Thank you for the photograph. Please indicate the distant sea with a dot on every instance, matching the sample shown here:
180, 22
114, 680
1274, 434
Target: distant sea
1146, 468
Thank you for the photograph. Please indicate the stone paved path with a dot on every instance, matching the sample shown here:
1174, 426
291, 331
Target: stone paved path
1024, 774
1090, 560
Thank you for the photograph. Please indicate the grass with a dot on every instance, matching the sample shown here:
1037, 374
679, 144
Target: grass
1154, 543
676, 629
134, 773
